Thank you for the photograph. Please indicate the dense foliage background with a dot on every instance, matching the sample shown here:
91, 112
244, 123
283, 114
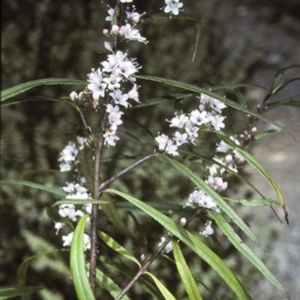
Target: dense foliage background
64, 40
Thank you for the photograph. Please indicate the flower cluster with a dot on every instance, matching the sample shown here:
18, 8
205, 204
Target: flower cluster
74, 190
69, 154
208, 114
71, 213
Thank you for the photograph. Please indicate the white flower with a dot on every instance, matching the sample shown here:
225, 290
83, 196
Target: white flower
172, 148
179, 121
69, 211
96, 85
111, 14
132, 34
86, 242
125, 1
198, 118
168, 247
162, 141
74, 96
173, 6
119, 98
180, 138
133, 16
113, 81
67, 239
133, 93
216, 183
69, 153
208, 229
217, 122
58, 226
207, 102
110, 138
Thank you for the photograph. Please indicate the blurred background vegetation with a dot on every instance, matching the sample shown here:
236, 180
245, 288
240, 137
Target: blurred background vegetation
62, 39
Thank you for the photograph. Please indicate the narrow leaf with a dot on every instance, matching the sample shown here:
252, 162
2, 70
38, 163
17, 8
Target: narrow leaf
251, 160
193, 243
185, 273
23, 87
214, 195
113, 215
246, 251
145, 282
22, 270
79, 201
34, 185
12, 292
77, 263
279, 75
111, 243
164, 291
109, 284
209, 92
254, 202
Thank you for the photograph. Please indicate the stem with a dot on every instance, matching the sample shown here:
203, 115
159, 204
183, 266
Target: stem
158, 251
107, 182
98, 146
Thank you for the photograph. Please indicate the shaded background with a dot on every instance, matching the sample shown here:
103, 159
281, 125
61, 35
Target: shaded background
241, 41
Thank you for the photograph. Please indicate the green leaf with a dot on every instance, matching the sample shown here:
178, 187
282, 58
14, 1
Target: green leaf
185, 273
12, 292
215, 196
162, 99
264, 133
197, 35
193, 243
254, 202
79, 201
109, 284
113, 215
77, 263
209, 92
23, 87
278, 77
165, 208
34, 185
251, 160
291, 101
111, 243
246, 251
145, 282
22, 270
165, 292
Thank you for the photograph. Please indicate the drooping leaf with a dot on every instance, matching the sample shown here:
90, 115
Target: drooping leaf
164, 291
111, 243
209, 92
279, 75
253, 162
109, 284
185, 273
12, 292
34, 185
77, 263
254, 202
24, 87
113, 215
193, 243
22, 270
246, 251
145, 282
214, 195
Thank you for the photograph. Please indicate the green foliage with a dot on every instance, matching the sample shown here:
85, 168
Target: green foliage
35, 139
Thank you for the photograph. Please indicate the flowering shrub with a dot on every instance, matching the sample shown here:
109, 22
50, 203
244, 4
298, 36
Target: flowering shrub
109, 91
